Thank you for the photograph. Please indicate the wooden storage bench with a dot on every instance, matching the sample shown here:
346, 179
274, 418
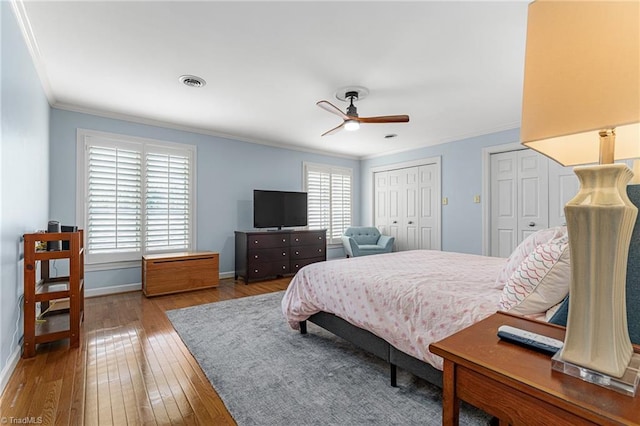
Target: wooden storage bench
175, 272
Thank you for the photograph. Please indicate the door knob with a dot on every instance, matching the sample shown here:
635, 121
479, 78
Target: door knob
532, 224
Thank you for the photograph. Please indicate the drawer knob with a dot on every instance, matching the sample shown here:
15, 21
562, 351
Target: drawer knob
284, 267
255, 256
297, 266
284, 241
255, 270
255, 242
297, 252
297, 239
319, 250
284, 253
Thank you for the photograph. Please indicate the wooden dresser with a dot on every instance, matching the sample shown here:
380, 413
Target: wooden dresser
176, 272
266, 254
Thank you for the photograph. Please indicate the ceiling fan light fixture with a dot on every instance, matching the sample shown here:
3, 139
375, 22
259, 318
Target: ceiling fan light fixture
351, 125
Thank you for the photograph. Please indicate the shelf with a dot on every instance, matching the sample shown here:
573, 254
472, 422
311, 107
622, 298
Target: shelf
52, 290
60, 298
52, 327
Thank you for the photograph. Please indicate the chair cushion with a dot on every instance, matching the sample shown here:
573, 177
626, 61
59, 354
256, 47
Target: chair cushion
363, 235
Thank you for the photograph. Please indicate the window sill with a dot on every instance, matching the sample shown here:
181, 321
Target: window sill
93, 267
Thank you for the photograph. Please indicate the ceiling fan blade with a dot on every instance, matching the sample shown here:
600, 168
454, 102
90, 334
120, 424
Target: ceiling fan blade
384, 119
334, 130
328, 106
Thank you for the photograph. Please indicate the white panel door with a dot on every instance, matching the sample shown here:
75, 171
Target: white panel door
408, 206
504, 203
428, 185
563, 186
396, 206
533, 193
410, 233
381, 188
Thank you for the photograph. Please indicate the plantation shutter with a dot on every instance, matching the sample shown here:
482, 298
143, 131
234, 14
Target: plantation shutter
167, 201
328, 199
113, 202
137, 196
340, 205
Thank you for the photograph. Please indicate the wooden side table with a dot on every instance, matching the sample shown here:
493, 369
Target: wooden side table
517, 385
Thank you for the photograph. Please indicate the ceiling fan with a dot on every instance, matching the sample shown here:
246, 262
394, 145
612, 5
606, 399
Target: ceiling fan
351, 121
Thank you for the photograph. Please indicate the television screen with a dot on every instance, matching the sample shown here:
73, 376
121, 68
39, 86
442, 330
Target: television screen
277, 209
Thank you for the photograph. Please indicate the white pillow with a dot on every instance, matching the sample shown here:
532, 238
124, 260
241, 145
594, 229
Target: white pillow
524, 248
541, 280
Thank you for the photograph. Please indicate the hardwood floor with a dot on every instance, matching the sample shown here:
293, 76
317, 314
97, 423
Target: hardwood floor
131, 367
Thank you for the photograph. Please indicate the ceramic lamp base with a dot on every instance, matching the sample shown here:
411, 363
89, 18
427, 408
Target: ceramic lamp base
600, 221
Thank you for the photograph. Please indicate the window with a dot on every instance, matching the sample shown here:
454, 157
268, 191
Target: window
329, 199
136, 196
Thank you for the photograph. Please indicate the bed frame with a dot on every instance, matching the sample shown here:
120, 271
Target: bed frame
396, 358
377, 346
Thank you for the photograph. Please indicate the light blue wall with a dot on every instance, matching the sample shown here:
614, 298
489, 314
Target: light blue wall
24, 176
227, 173
461, 179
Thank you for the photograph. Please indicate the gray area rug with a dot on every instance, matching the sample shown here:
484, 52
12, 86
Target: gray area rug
268, 374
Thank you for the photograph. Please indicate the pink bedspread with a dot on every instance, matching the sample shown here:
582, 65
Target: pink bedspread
410, 298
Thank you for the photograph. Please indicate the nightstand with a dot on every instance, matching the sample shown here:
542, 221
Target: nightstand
517, 385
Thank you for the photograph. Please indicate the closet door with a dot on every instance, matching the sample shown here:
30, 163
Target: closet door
563, 186
533, 193
407, 206
428, 185
409, 222
381, 200
396, 204
504, 203
519, 198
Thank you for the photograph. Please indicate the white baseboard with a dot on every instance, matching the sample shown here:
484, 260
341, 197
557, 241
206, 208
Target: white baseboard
228, 274
7, 371
103, 291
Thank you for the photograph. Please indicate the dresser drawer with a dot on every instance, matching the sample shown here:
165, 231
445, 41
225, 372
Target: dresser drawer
263, 270
305, 252
309, 238
267, 241
268, 255
299, 263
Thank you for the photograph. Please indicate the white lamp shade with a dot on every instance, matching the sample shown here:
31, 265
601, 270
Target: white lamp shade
582, 75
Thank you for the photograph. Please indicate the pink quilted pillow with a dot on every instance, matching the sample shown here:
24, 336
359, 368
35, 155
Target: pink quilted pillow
541, 280
524, 248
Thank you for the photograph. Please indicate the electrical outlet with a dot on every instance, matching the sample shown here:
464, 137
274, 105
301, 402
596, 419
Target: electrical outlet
445, 201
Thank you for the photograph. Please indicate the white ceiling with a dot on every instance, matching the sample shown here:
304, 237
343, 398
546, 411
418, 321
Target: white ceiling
456, 68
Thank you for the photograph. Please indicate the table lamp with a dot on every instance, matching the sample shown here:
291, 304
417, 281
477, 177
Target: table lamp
581, 105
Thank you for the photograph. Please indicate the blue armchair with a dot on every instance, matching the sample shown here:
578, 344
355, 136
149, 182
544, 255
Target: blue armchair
365, 240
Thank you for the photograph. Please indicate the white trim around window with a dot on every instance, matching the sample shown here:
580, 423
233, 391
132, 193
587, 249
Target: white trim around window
133, 196
329, 198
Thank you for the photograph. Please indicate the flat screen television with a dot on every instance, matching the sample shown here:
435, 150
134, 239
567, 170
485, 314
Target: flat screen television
278, 209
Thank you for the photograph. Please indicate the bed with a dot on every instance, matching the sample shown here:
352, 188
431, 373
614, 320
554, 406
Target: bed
394, 305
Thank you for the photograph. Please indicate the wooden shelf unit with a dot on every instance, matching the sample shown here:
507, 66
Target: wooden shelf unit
59, 323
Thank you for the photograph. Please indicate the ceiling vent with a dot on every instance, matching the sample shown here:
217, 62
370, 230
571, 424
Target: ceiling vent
192, 81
